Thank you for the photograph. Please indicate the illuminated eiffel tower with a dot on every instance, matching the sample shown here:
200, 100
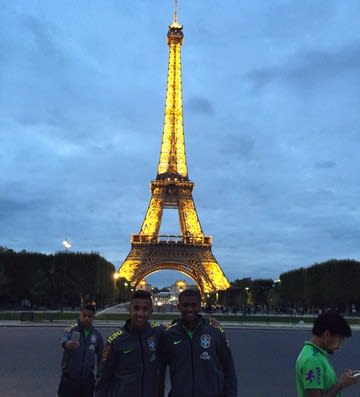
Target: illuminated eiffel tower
191, 252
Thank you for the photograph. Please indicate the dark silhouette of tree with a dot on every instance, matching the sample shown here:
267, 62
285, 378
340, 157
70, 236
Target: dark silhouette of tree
63, 279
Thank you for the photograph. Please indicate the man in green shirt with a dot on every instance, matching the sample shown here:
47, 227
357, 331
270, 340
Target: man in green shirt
315, 375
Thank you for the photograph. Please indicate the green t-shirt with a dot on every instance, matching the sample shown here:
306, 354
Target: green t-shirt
188, 331
314, 370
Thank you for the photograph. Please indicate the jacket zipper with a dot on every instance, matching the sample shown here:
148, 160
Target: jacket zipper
143, 365
82, 335
192, 367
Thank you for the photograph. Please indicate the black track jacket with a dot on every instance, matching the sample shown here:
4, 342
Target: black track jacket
201, 366
130, 366
81, 362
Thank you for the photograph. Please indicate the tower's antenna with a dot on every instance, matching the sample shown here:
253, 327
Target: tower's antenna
175, 11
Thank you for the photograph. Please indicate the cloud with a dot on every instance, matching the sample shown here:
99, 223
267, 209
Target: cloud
13, 206
198, 105
325, 164
237, 145
309, 68
43, 39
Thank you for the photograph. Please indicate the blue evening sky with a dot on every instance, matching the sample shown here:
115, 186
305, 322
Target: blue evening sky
271, 95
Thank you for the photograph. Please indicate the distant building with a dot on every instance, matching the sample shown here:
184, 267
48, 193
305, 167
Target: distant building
144, 286
171, 296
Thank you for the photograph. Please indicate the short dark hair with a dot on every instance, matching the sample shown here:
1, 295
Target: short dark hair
333, 322
91, 306
190, 292
141, 294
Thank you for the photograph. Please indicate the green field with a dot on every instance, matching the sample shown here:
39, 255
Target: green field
50, 316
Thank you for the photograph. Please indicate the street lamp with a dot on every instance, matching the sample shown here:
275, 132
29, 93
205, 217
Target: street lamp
67, 245
247, 294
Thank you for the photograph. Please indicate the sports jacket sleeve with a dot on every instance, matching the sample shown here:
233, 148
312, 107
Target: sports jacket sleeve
163, 361
99, 351
66, 336
227, 362
106, 370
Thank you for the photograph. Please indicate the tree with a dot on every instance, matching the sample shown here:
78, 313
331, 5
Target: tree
4, 282
260, 290
123, 290
291, 288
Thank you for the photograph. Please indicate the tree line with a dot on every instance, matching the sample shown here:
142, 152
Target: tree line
58, 280
331, 284
65, 279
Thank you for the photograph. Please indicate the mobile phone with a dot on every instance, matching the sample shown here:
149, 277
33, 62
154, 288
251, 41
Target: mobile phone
75, 336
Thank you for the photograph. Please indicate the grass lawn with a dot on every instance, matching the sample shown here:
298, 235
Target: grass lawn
43, 316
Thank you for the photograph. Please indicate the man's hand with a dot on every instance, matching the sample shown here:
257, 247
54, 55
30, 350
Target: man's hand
72, 345
346, 379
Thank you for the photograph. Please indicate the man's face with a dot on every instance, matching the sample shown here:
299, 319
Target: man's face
333, 342
189, 307
86, 318
140, 311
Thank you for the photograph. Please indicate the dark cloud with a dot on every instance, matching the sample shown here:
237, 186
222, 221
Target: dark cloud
199, 105
44, 40
325, 164
309, 68
238, 145
347, 234
288, 20
8, 207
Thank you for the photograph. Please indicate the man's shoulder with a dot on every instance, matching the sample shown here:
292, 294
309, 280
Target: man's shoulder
212, 328
115, 336
72, 327
311, 350
156, 326
310, 355
172, 328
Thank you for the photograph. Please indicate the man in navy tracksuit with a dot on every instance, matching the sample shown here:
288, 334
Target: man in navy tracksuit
83, 346
198, 354
130, 366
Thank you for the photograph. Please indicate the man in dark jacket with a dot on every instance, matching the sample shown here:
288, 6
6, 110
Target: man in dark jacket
130, 367
197, 353
83, 346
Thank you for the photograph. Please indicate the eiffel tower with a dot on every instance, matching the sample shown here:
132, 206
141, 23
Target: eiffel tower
191, 252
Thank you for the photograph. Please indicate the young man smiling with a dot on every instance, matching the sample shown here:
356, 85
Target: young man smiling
129, 366
197, 353
315, 375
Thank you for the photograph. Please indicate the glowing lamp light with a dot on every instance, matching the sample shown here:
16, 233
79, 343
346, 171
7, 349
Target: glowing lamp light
66, 244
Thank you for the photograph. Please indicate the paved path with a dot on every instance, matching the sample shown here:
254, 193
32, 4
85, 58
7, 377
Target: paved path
264, 360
